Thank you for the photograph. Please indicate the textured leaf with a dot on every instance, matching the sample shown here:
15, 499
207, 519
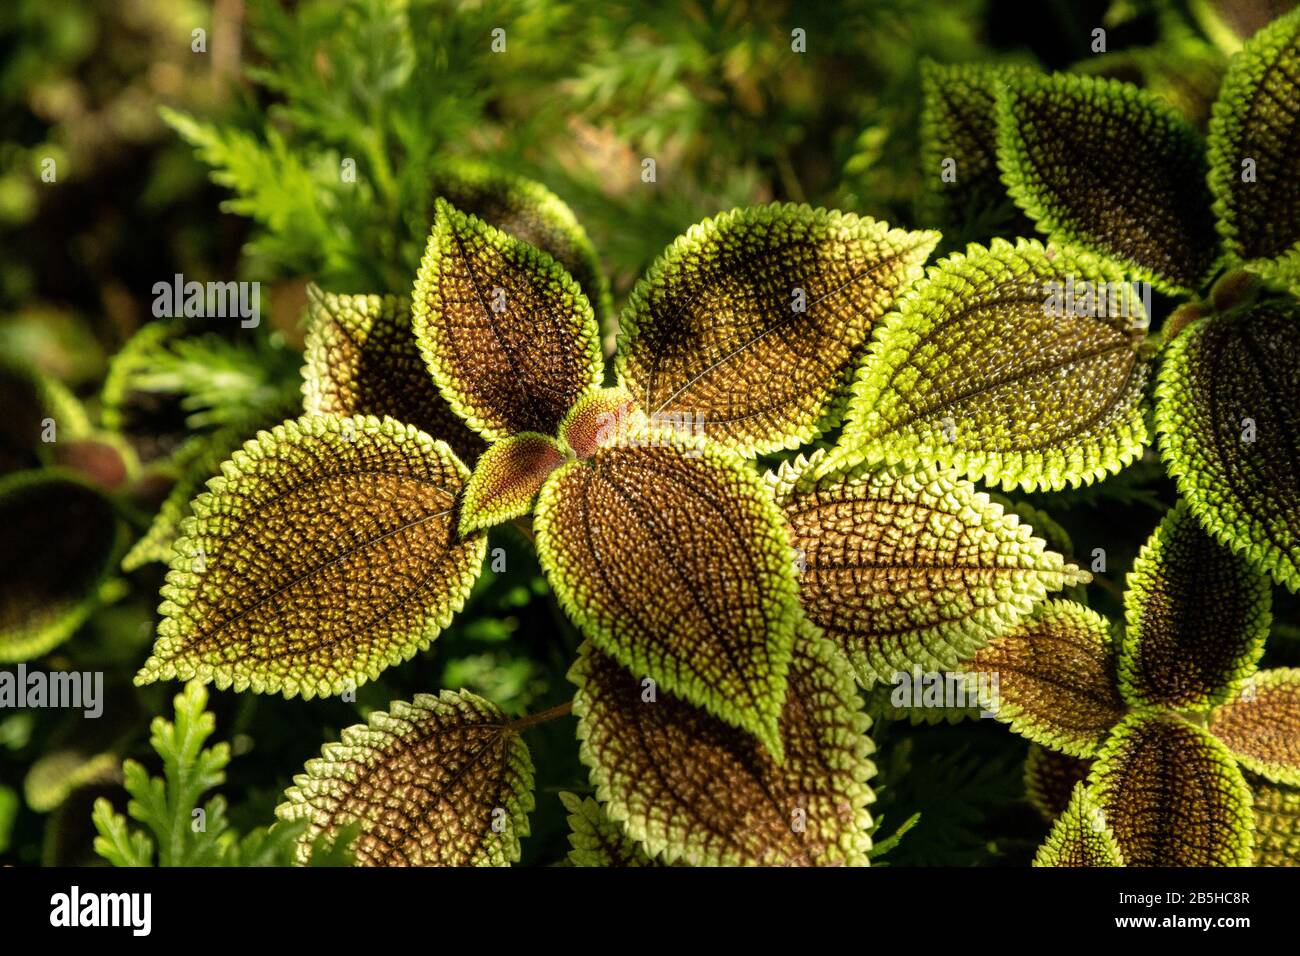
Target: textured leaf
59, 539
689, 787
506, 479
1183, 70
28, 399
323, 553
1172, 795
1050, 779
959, 122
1197, 619
506, 332
362, 359
530, 212
910, 571
441, 781
979, 370
748, 324
596, 839
1055, 678
1080, 836
1105, 165
1277, 823
1228, 411
1257, 118
672, 558
1261, 726
603, 417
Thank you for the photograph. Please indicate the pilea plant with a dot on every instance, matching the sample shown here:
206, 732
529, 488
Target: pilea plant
1169, 716
340, 543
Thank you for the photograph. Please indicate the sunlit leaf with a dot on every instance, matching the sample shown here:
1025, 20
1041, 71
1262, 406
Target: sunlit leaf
1228, 412
1080, 836
528, 211
506, 332
1016, 365
748, 325
1252, 153
1197, 619
506, 479
1261, 726
439, 781
672, 558
1277, 823
689, 787
1105, 165
1055, 678
324, 552
909, 570
362, 359
1172, 795
596, 839
59, 539
1050, 779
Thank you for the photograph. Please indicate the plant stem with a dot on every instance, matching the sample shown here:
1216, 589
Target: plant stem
542, 716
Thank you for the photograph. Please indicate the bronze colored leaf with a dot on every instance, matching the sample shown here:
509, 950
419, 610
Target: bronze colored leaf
1197, 619
506, 332
362, 359
750, 323
910, 570
441, 781
596, 839
506, 479
1261, 726
672, 558
689, 787
1080, 836
324, 552
1055, 678
1172, 795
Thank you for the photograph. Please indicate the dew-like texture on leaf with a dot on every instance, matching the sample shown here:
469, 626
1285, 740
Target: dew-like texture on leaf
1252, 146
1055, 678
596, 839
362, 359
1172, 795
689, 787
1080, 836
324, 552
1050, 779
906, 570
672, 558
1228, 413
1277, 823
439, 781
989, 367
1261, 726
509, 337
749, 324
58, 540
529, 211
29, 400
1197, 619
959, 123
603, 417
506, 479
1102, 164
